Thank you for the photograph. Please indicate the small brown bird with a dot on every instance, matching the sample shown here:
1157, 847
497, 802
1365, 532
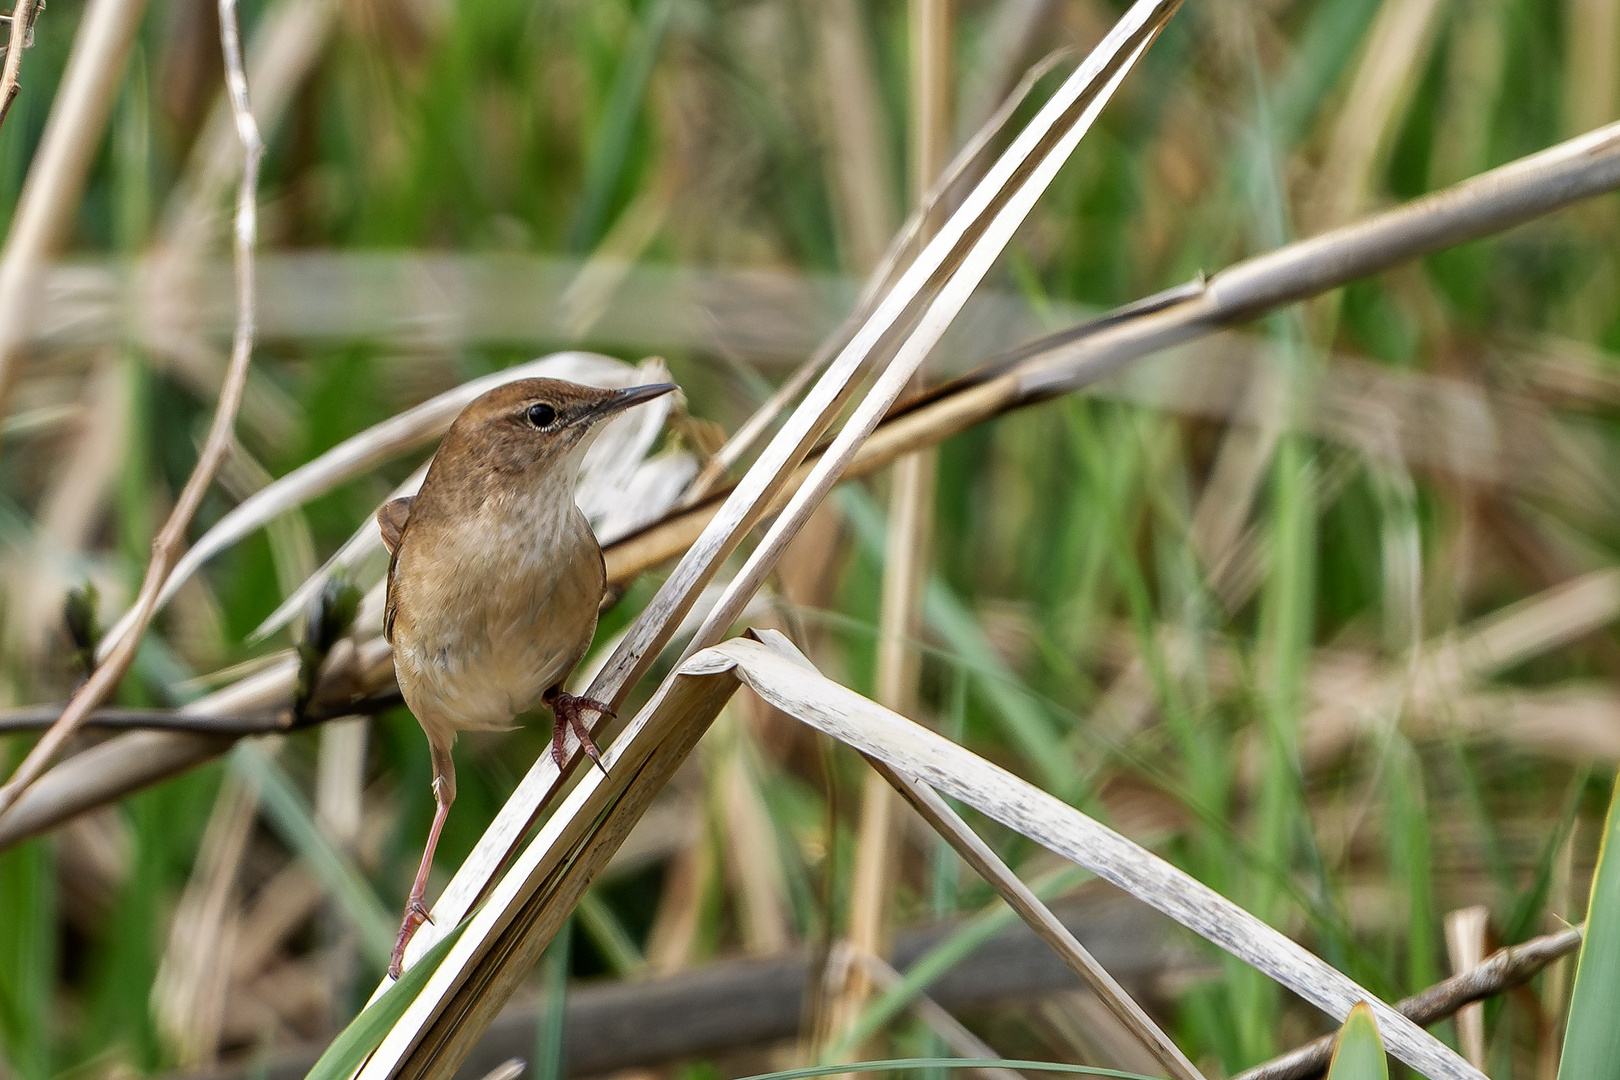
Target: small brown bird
496, 579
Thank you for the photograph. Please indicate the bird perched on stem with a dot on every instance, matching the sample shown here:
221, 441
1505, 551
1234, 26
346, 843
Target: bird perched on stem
496, 579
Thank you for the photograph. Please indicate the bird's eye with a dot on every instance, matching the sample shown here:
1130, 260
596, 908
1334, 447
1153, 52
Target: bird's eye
542, 415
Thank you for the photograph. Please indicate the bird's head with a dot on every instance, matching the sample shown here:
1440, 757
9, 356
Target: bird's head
538, 427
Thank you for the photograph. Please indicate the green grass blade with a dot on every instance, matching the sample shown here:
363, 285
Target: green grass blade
1359, 1054
549, 1030
1592, 1041
365, 1032
611, 149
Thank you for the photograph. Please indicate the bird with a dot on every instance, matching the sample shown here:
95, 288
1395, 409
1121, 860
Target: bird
495, 579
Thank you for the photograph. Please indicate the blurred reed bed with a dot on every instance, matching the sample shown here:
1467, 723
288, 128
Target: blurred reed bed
1319, 608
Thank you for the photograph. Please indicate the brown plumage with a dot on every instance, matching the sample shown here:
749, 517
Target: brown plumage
496, 578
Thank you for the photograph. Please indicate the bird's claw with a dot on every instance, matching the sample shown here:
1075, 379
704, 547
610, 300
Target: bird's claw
568, 711
416, 913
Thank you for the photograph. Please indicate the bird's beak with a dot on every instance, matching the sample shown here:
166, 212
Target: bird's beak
624, 399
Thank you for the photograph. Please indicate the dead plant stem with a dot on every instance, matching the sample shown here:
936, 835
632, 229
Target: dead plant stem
57, 174
910, 539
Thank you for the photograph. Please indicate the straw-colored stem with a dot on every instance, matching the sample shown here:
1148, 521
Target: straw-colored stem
50, 195
910, 540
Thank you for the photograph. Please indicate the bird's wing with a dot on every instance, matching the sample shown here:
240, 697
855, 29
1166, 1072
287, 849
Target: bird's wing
392, 518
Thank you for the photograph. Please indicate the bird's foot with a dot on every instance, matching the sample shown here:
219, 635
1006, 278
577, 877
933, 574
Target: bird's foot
416, 913
569, 712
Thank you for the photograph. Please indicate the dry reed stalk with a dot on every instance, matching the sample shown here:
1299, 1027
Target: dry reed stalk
773, 670
267, 720
861, 178
171, 538
1465, 947
908, 545
21, 19
56, 177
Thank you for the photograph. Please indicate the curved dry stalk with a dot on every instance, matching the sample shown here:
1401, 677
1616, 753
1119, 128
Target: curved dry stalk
170, 539
268, 720
771, 669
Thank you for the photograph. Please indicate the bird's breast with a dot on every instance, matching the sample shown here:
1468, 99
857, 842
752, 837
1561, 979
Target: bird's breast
492, 610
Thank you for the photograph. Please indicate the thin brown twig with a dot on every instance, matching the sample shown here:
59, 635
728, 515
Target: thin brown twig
22, 36
1505, 969
170, 539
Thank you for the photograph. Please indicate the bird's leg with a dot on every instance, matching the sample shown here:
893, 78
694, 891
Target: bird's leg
568, 711
416, 910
